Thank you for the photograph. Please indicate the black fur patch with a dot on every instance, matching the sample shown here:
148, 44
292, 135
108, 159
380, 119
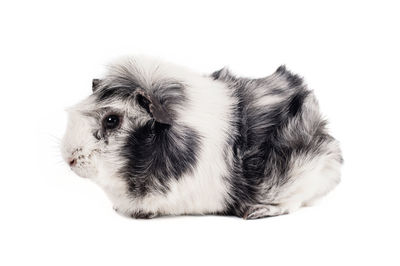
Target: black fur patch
156, 153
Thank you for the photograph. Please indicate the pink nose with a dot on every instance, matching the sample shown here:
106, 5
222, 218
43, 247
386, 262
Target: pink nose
72, 162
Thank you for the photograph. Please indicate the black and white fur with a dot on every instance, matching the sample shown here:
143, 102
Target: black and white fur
195, 144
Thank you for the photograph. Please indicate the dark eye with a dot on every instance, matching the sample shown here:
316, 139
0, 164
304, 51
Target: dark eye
111, 122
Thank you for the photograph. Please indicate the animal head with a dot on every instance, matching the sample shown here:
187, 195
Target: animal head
129, 135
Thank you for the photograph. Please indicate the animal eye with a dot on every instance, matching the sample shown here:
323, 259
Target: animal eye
111, 122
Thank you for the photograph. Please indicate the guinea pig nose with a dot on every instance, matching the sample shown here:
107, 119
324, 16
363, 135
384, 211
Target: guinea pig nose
72, 162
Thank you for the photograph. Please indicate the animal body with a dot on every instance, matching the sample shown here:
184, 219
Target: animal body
163, 140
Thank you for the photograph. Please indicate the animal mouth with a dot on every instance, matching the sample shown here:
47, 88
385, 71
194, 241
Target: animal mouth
82, 164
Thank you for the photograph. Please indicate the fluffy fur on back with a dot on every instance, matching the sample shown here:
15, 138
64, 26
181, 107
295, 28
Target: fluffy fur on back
162, 140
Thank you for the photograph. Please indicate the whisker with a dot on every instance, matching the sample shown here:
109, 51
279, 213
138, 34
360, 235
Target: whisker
55, 138
59, 162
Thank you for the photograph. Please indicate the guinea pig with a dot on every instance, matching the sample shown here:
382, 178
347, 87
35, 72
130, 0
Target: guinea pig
163, 140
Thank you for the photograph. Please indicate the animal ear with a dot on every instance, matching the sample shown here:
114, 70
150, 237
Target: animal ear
153, 107
95, 84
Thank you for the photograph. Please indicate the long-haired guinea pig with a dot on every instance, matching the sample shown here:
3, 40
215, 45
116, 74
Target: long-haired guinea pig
162, 140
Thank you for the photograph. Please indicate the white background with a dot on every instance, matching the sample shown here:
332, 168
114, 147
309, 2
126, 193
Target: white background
348, 53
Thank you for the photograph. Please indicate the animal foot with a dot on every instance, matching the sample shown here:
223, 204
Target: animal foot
261, 211
136, 214
143, 215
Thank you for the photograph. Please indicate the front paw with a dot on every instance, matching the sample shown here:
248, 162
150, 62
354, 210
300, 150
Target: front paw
136, 214
143, 215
